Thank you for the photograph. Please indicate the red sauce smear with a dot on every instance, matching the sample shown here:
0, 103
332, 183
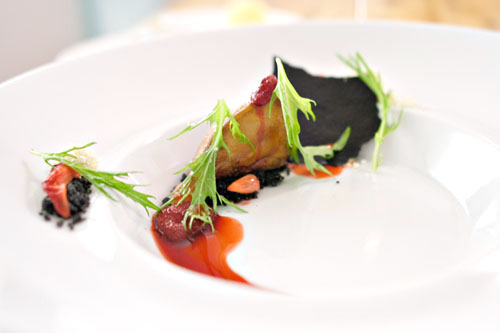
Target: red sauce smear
207, 254
301, 170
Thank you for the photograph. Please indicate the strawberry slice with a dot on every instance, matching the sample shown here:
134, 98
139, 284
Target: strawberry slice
245, 185
55, 187
263, 95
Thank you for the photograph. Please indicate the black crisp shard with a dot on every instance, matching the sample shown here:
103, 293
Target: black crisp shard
341, 102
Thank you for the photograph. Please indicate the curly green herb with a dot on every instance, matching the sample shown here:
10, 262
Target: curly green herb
200, 183
328, 151
100, 179
373, 81
291, 103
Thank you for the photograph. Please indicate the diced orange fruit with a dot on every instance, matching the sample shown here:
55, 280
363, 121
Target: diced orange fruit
245, 185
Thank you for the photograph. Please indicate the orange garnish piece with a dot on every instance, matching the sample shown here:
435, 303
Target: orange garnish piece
245, 185
301, 170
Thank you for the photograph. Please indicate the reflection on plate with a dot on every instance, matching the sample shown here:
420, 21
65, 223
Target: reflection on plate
407, 248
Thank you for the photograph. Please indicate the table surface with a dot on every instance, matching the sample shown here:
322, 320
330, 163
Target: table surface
471, 13
475, 13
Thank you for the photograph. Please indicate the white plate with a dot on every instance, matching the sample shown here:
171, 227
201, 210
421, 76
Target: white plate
412, 248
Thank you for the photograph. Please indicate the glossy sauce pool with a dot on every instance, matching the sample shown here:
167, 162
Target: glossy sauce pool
207, 254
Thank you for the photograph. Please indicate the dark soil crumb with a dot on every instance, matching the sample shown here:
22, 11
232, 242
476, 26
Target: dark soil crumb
79, 190
165, 200
341, 102
267, 178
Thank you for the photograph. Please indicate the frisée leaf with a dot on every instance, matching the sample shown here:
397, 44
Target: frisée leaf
102, 180
291, 103
374, 82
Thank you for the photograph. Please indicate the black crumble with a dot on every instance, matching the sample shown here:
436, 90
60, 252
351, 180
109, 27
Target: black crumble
78, 192
267, 178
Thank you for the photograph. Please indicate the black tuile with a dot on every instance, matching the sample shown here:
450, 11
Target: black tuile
341, 102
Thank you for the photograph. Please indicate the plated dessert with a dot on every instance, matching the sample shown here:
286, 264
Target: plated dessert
250, 149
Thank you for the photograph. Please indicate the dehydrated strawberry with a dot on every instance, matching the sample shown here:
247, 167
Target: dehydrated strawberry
263, 95
56, 188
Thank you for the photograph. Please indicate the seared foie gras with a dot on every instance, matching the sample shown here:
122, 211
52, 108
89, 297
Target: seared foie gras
265, 130
267, 134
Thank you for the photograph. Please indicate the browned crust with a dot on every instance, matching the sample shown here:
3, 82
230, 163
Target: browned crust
267, 134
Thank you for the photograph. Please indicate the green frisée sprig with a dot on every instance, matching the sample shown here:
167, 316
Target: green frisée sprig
291, 103
328, 151
374, 82
100, 179
200, 182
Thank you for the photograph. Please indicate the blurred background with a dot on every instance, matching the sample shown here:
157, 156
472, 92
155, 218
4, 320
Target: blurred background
34, 32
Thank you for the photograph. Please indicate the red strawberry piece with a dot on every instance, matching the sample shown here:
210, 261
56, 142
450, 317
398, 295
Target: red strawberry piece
168, 222
55, 187
265, 91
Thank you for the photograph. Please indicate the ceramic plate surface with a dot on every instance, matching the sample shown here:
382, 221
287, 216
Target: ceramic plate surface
413, 247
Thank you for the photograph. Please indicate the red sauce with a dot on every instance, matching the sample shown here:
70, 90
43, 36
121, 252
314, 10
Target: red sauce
207, 254
301, 170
